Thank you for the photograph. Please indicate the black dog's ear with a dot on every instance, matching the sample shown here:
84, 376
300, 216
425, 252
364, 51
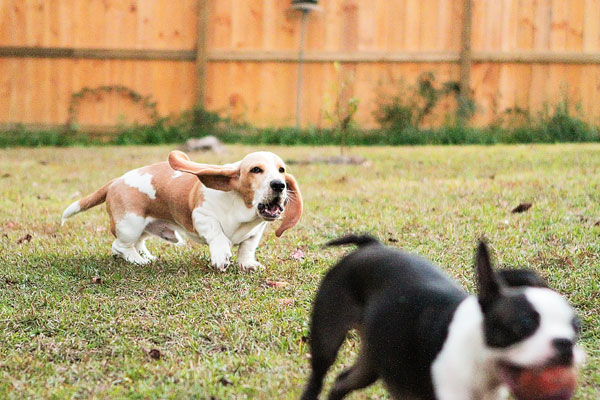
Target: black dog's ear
489, 284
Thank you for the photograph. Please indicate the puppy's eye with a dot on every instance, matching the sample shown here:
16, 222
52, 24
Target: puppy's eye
281, 169
256, 170
525, 326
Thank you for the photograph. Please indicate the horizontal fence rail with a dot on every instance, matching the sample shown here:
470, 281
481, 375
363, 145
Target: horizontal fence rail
526, 57
98, 54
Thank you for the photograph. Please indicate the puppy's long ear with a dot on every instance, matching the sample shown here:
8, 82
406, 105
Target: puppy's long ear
293, 209
212, 176
489, 283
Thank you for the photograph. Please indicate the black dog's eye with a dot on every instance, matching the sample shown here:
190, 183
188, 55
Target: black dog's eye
282, 170
524, 327
256, 170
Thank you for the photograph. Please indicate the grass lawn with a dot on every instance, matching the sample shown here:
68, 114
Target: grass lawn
231, 335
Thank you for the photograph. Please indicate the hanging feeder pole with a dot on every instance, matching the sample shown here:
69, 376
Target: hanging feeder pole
305, 6
300, 65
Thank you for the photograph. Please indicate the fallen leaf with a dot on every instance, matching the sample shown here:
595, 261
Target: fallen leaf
43, 162
277, 284
9, 281
225, 382
154, 354
521, 208
298, 255
286, 302
97, 280
7, 175
26, 238
10, 225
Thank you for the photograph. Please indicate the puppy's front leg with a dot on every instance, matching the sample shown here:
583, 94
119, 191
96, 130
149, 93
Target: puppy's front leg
220, 252
247, 251
218, 244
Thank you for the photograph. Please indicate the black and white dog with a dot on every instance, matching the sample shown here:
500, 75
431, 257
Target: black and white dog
428, 339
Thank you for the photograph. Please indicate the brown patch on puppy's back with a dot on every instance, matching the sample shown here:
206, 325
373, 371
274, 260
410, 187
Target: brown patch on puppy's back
176, 197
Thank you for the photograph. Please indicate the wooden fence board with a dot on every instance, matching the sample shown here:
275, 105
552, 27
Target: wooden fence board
525, 53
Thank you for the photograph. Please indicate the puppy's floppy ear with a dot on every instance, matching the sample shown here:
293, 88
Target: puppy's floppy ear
489, 283
293, 209
212, 176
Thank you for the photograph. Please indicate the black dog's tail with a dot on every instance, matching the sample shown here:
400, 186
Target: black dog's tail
360, 240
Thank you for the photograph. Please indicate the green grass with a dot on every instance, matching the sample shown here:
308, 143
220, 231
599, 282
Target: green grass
230, 335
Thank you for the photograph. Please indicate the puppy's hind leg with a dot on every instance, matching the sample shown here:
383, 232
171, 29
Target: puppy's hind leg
334, 314
358, 376
141, 248
128, 231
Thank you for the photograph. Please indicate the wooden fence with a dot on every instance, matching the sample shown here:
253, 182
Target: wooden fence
239, 57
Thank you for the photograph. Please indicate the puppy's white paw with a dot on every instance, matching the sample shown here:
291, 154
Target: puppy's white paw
250, 265
138, 260
220, 255
128, 253
150, 257
146, 255
221, 262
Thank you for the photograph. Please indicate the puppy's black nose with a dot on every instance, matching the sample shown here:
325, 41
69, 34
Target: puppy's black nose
277, 186
564, 350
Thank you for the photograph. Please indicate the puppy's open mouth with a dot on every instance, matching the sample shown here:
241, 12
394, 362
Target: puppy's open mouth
271, 210
552, 381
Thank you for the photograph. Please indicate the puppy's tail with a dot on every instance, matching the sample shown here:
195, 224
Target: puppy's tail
360, 240
92, 200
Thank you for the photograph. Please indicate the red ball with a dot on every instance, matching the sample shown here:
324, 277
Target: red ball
552, 383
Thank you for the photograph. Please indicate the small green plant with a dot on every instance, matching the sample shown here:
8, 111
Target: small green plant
193, 123
554, 123
146, 102
408, 109
341, 113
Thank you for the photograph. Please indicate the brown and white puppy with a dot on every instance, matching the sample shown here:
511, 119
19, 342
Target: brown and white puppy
221, 205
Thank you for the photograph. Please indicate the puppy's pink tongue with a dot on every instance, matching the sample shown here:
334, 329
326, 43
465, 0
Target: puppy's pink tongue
274, 208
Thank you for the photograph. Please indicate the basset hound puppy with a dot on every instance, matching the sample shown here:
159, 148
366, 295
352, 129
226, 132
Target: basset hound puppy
220, 205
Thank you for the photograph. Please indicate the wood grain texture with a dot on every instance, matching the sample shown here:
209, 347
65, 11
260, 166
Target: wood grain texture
525, 53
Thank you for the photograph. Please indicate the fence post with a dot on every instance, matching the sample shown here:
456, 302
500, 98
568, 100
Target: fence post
201, 51
465, 59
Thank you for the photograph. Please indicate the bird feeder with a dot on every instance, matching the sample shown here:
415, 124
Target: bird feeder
308, 5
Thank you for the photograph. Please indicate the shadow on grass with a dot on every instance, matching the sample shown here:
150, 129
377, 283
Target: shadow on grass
75, 270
